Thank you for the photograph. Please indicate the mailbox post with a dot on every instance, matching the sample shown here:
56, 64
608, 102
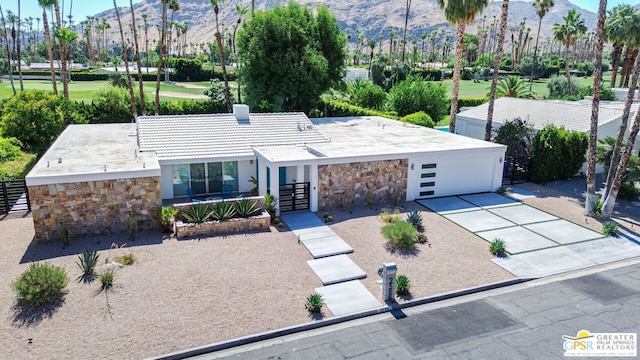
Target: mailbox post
388, 273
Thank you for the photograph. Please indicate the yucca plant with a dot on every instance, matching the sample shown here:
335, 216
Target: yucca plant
106, 279
414, 218
314, 302
223, 211
246, 207
403, 285
610, 228
198, 213
498, 248
87, 261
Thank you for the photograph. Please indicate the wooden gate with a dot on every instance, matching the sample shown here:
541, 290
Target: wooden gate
294, 197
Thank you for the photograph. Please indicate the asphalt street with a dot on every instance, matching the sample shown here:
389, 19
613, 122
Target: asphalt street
531, 320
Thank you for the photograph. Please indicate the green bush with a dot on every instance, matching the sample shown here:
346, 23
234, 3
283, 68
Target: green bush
166, 216
41, 284
430, 74
187, 69
17, 168
605, 93
557, 154
113, 105
37, 117
370, 97
9, 149
400, 234
335, 108
403, 285
419, 118
314, 302
470, 102
413, 95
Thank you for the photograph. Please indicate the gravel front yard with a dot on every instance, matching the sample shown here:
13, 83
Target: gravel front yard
187, 293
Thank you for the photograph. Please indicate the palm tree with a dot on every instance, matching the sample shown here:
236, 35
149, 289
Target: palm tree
6, 43
460, 12
406, 21
146, 40
618, 26
372, 45
143, 108
241, 12
163, 27
513, 86
126, 64
566, 33
63, 49
496, 69
227, 93
590, 202
46, 5
18, 51
542, 7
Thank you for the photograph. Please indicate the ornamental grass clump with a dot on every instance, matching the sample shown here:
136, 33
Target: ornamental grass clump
400, 234
41, 284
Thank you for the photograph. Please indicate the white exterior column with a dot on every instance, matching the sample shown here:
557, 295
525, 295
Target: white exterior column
300, 174
262, 179
275, 185
313, 187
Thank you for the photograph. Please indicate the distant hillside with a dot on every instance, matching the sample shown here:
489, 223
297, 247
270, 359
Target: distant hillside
372, 17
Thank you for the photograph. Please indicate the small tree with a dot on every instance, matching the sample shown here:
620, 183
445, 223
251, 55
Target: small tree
414, 95
517, 134
558, 154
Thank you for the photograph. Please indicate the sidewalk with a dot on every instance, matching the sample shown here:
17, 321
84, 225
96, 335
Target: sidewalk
524, 321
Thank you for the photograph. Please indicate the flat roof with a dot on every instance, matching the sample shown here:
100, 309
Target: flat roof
94, 152
375, 137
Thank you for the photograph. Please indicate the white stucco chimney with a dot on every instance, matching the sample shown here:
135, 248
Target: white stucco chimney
241, 111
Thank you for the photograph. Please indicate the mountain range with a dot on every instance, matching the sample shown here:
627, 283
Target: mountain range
370, 17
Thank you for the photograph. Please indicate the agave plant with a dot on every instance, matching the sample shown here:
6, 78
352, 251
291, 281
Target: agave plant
414, 218
403, 285
314, 302
223, 211
166, 216
498, 248
87, 261
198, 213
610, 228
246, 207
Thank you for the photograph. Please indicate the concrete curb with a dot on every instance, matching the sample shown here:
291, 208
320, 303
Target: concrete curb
332, 321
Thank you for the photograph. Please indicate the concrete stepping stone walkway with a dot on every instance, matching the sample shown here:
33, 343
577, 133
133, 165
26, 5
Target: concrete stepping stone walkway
348, 298
335, 269
315, 235
343, 293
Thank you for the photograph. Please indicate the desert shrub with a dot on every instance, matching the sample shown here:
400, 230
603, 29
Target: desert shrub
498, 248
399, 234
127, 259
422, 238
415, 218
106, 278
605, 93
419, 118
413, 95
40, 285
557, 154
215, 92
87, 261
388, 216
116, 79
370, 97
403, 285
314, 302
166, 216
559, 87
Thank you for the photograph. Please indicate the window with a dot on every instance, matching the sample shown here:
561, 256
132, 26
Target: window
427, 184
429, 166
205, 178
180, 179
428, 175
426, 193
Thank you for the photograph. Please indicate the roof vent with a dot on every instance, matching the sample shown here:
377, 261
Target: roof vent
241, 112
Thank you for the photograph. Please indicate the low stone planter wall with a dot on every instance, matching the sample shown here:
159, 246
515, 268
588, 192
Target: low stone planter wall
236, 225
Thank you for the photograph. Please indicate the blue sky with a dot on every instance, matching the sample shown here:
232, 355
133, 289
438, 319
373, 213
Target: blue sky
84, 8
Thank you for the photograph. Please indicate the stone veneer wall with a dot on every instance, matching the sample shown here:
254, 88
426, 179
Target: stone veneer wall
94, 207
384, 180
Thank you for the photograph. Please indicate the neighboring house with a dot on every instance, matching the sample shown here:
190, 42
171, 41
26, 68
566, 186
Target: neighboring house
572, 115
317, 164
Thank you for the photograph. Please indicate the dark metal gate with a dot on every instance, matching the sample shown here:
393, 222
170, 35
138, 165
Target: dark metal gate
294, 197
516, 169
14, 196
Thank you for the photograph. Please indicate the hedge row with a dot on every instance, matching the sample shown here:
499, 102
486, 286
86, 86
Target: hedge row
336, 108
96, 76
17, 168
